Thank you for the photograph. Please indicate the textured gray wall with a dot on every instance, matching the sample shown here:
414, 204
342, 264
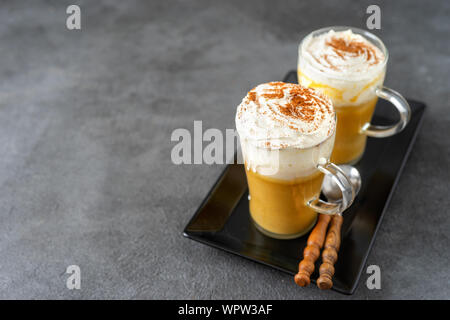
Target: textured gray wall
85, 124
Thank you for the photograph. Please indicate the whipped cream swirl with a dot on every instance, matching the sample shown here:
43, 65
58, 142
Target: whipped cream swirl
279, 115
343, 54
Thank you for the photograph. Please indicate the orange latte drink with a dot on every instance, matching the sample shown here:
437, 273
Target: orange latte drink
348, 65
286, 132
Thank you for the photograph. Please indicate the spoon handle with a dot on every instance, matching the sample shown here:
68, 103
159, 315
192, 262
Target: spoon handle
312, 251
330, 253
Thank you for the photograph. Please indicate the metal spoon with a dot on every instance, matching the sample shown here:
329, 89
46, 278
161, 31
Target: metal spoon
331, 190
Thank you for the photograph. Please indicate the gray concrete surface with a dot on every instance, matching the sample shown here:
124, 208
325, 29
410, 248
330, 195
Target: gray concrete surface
85, 123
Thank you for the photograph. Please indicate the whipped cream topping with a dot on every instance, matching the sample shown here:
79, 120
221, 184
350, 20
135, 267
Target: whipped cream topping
343, 65
279, 115
343, 54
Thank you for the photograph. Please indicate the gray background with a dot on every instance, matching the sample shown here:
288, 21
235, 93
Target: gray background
85, 124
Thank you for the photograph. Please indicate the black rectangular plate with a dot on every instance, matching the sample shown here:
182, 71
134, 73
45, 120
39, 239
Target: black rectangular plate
223, 220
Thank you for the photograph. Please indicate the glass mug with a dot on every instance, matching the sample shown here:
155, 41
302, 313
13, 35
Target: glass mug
353, 118
288, 208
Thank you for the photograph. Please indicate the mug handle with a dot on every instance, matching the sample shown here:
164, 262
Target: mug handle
344, 184
403, 109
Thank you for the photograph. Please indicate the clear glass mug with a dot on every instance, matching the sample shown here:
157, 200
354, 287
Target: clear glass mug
285, 186
354, 111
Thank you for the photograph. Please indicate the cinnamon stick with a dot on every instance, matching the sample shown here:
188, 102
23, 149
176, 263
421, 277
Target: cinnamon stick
330, 253
312, 251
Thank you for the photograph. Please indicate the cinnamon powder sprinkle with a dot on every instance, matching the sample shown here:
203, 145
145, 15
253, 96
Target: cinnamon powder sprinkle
252, 96
354, 48
275, 94
300, 103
